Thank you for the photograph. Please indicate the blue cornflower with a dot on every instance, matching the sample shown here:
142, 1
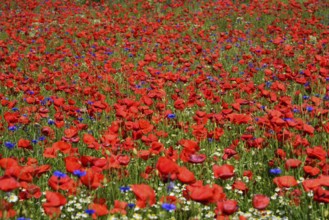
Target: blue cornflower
306, 97
268, 84
90, 211
171, 116
9, 145
51, 121
59, 174
12, 128
275, 171
80, 119
309, 108
131, 205
124, 189
43, 102
79, 173
34, 141
168, 207
15, 109
170, 186
22, 218
295, 110
42, 138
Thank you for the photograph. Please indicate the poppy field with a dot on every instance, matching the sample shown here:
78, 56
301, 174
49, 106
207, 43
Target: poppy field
164, 109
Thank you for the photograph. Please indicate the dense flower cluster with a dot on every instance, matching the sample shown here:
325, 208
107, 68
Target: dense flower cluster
164, 109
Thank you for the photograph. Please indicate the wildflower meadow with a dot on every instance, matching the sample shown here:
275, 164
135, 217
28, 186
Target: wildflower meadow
164, 109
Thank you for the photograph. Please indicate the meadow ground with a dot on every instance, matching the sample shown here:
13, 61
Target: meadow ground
164, 109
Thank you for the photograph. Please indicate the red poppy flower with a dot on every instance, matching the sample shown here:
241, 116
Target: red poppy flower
25, 144
166, 167
204, 194
8, 162
100, 209
228, 153
62, 146
324, 179
123, 160
6, 209
312, 171
321, 195
144, 154
145, 126
8, 183
147, 173
21, 173
280, 153
308, 129
48, 131
169, 199
145, 195
239, 118
197, 158
92, 179
119, 207
227, 207
156, 147
42, 169
11, 117
248, 174
285, 181
217, 133
316, 153
260, 202
72, 164
311, 184
224, 172
179, 104
31, 191
239, 185
50, 152
63, 183
88, 139
185, 175
189, 145
54, 201
292, 163
71, 135
171, 153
